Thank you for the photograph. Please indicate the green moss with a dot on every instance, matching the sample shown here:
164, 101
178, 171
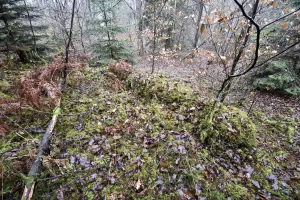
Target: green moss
278, 124
227, 124
90, 195
203, 154
153, 87
75, 135
4, 85
265, 170
214, 194
5, 96
237, 191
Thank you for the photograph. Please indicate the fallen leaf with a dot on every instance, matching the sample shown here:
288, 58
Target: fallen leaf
285, 25
273, 3
163, 164
202, 29
255, 183
286, 10
138, 184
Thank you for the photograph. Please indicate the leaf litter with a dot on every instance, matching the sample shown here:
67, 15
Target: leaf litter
133, 144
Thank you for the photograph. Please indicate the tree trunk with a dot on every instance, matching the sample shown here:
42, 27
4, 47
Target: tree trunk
108, 31
168, 41
154, 38
69, 42
81, 31
31, 27
198, 23
226, 86
140, 27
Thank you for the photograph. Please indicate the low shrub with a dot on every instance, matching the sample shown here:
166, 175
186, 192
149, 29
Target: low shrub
279, 76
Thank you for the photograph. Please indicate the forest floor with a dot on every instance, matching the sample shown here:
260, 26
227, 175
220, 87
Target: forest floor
204, 77
147, 143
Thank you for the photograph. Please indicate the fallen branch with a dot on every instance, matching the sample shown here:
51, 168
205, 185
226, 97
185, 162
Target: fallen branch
32, 175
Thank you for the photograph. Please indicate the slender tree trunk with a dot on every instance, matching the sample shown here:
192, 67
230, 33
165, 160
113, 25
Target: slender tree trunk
154, 38
69, 42
81, 31
168, 41
198, 23
108, 31
31, 27
140, 27
226, 86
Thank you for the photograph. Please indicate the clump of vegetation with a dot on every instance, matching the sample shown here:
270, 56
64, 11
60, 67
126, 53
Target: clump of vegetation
118, 73
122, 69
227, 125
36, 88
159, 87
279, 76
223, 125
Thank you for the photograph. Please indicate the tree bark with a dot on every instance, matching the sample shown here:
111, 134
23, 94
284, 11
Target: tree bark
198, 23
226, 86
81, 31
69, 42
31, 27
140, 27
154, 38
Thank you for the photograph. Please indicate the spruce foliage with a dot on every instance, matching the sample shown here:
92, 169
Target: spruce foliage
279, 76
18, 34
105, 28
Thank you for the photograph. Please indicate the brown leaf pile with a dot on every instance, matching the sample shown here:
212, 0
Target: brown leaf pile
36, 87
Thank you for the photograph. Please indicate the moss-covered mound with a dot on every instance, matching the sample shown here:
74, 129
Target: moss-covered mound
227, 124
160, 88
139, 145
218, 125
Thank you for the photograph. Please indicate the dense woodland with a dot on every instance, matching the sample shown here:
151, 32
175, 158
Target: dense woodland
149, 99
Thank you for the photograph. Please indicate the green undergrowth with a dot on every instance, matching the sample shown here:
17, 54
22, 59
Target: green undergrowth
217, 125
155, 140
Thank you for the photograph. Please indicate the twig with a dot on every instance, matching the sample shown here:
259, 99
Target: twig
252, 104
280, 19
278, 54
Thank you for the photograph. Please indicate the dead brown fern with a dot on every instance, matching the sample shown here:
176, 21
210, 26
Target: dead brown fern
122, 69
117, 73
36, 87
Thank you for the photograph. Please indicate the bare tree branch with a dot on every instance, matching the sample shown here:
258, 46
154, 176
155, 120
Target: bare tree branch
278, 54
258, 31
279, 19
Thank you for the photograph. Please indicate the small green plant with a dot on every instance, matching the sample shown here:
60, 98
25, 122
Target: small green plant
279, 76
